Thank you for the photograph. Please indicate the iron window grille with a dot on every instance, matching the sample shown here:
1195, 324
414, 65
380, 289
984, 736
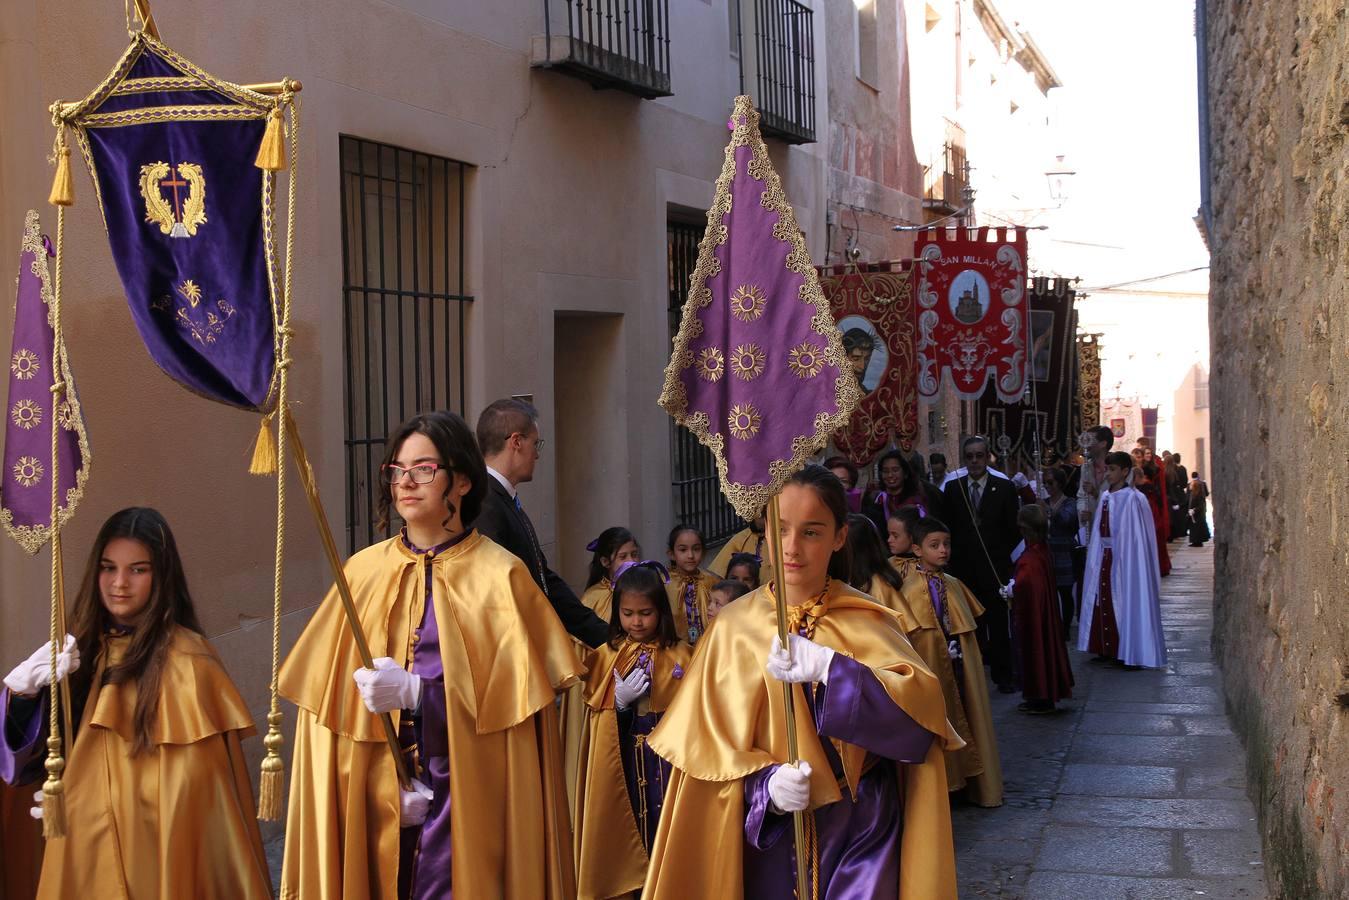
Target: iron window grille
620, 44
698, 500
944, 185
403, 305
784, 44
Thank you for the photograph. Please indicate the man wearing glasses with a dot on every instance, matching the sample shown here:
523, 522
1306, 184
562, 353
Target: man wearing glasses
982, 509
508, 435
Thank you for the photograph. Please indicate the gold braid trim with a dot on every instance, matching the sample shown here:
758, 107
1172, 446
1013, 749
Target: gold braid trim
158, 85
151, 114
32, 537
749, 500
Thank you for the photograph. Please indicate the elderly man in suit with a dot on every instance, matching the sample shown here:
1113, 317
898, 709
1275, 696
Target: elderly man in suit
981, 512
508, 435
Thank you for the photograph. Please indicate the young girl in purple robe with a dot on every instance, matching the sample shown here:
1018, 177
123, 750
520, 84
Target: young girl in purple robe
689, 584
630, 681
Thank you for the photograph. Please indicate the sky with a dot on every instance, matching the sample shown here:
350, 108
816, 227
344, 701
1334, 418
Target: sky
1128, 122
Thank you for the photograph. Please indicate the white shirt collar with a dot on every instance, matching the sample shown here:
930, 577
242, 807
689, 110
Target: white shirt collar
505, 482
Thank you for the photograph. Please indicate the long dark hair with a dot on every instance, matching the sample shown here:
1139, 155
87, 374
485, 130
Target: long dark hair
458, 452
645, 581
830, 490
912, 485
679, 529
745, 559
869, 556
606, 545
170, 604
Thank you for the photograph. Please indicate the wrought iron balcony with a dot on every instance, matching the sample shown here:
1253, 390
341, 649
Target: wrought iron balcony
784, 90
618, 44
945, 181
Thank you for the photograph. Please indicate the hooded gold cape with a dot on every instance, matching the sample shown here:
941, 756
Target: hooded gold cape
743, 541
175, 821
674, 590
976, 766
728, 721
610, 857
505, 655
599, 597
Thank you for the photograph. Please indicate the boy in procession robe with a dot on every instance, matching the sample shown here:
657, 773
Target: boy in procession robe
1121, 592
471, 655
1046, 676
872, 727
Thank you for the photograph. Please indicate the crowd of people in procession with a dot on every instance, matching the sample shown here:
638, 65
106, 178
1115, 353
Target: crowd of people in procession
664, 769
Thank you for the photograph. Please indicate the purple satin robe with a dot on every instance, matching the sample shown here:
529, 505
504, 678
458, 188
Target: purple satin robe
25, 738
640, 763
859, 840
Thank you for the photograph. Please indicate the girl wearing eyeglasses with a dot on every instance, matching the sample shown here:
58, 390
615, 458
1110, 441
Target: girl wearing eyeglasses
469, 658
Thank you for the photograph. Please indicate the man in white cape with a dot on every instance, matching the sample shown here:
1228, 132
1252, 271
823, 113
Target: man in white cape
1121, 593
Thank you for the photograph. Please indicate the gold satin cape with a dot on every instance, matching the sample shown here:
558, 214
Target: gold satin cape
505, 655
599, 597
743, 541
674, 591
175, 821
975, 767
610, 856
728, 721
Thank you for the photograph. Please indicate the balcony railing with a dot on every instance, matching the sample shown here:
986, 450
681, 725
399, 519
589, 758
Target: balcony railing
945, 181
618, 44
784, 41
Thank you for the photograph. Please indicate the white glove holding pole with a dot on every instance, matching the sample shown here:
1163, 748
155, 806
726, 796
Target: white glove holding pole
36, 811
414, 805
1007, 590
789, 787
953, 649
388, 686
628, 691
34, 673
808, 662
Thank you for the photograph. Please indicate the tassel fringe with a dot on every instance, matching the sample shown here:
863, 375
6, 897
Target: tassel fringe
264, 450
54, 793
272, 784
63, 186
272, 151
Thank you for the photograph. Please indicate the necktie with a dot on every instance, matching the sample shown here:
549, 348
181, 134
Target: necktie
534, 542
975, 494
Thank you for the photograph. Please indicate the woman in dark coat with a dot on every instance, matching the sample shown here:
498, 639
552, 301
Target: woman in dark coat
1199, 532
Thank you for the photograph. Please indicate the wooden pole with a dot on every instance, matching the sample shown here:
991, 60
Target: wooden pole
311, 491
147, 18
774, 524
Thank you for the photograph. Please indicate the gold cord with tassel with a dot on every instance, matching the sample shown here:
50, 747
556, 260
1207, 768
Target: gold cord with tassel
271, 785
264, 449
272, 151
63, 184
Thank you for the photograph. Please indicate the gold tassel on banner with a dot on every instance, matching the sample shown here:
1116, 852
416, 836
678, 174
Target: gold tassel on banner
271, 787
63, 185
272, 152
264, 450
54, 792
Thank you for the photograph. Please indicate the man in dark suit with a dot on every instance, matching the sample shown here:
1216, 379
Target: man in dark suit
981, 512
508, 435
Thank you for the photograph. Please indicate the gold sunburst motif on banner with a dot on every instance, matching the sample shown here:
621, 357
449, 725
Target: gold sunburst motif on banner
26, 414
747, 302
711, 365
28, 471
747, 362
24, 364
744, 421
805, 360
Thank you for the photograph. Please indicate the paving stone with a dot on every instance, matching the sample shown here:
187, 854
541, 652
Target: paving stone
1159, 709
1224, 782
1205, 725
1146, 812
1118, 851
1128, 723
1119, 781
1135, 749
1222, 852
1065, 886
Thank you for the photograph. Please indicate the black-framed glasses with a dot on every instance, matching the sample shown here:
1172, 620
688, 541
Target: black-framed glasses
422, 473
538, 441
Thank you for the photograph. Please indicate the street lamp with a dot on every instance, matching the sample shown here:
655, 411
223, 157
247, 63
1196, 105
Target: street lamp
1058, 177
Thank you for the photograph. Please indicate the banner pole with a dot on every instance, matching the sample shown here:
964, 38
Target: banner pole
340, 579
803, 862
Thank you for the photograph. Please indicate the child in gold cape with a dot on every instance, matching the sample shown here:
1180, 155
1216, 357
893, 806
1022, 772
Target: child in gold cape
872, 728
158, 801
471, 656
621, 785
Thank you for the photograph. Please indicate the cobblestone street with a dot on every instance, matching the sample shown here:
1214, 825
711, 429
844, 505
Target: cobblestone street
1136, 791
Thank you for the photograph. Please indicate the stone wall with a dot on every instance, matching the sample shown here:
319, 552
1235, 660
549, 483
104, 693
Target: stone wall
1279, 164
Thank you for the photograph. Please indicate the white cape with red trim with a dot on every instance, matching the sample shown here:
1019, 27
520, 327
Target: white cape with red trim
1135, 579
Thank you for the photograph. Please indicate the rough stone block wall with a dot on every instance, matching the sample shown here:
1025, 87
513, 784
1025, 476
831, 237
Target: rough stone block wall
1278, 82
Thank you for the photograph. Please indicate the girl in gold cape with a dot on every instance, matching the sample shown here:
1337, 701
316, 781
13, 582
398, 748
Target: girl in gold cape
158, 801
749, 540
487, 815
615, 546
975, 767
629, 683
689, 585
875, 790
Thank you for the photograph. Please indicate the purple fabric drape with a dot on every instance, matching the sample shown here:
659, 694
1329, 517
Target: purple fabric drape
25, 734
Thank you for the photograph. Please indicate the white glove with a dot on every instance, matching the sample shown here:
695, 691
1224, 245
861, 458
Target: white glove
628, 691
1006, 590
414, 805
34, 673
953, 649
36, 811
1019, 479
789, 787
388, 686
809, 661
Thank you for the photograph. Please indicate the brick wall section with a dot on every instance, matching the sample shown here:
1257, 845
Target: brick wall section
1279, 157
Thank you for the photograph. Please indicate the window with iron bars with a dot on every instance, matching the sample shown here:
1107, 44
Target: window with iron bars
782, 37
698, 500
403, 305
